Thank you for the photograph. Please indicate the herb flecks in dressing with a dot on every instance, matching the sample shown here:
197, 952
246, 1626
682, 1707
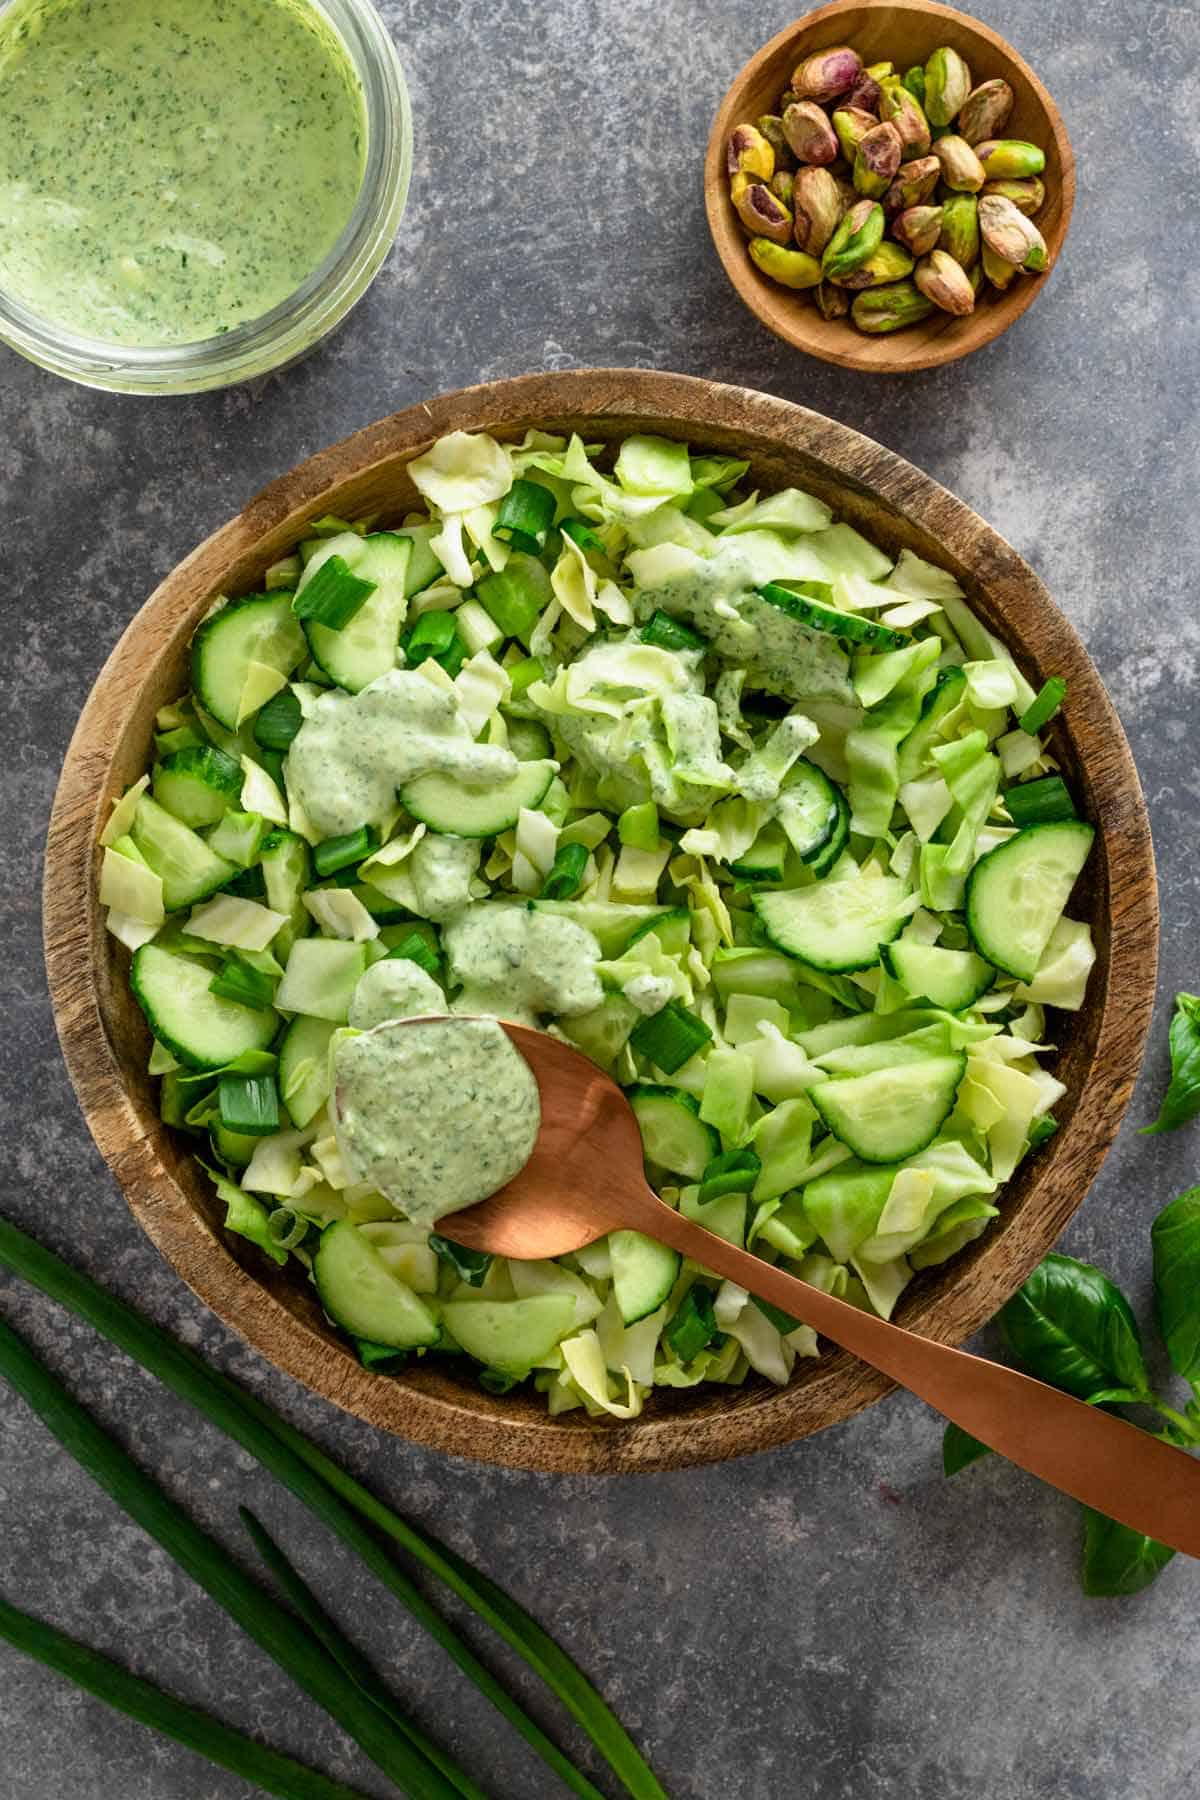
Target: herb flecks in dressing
171, 169
354, 751
519, 962
436, 1115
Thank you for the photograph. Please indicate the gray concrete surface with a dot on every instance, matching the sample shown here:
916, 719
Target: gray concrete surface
829, 1621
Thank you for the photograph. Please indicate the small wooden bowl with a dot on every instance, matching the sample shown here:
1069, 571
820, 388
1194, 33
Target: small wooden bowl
105, 1040
903, 32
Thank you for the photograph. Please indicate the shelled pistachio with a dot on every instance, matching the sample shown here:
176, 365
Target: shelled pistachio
961, 168
1027, 195
771, 127
817, 208
887, 262
1007, 159
913, 185
1001, 274
960, 229
827, 74
792, 268
919, 228
749, 153
852, 124
831, 302
1010, 235
761, 212
858, 235
947, 85
902, 111
984, 112
882, 309
811, 138
943, 281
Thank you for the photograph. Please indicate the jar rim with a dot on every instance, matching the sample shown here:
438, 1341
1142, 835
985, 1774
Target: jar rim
314, 308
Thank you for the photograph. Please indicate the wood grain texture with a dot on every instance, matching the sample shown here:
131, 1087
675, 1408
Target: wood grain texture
903, 32
104, 1037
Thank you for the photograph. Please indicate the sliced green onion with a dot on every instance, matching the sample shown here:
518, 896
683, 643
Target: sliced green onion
733, 1172
378, 1356
566, 872
526, 515
287, 1228
1041, 1130
344, 1504
236, 980
333, 596
1049, 699
469, 1265
210, 1565
249, 1104
1039, 802
524, 674
666, 633
334, 1641
278, 721
247, 884
342, 852
583, 534
435, 636
149, 1705
638, 826
693, 1325
671, 1037
418, 949
516, 596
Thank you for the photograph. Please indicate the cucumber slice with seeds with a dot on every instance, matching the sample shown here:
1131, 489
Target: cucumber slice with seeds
643, 1274
443, 804
674, 1136
891, 1113
812, 608
369, 645
190, 870
197, 1027
197, 784
1017, 892
838, 926
360, 1293
953, 979
809, 811
257, 628
510, 1335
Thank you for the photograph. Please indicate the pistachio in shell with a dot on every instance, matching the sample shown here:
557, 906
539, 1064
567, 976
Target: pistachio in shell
827, 74
890, 308
914, 81
947, 85
945, 282
1010, 235
831, 302
852, 124
918, 228
762, 212
792, 268
864, 95
960, 229
887, 262
984, 112
913, 185
771, 126
961, 168
858, 235
1001, 274
903, 112
749, 153
876, 160
1006, 159
811, 138
817, 208
1028, 196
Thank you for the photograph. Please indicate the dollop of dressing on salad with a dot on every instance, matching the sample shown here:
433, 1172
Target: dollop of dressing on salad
394, 989
518, 962
170, 170
354, 751
437, 1116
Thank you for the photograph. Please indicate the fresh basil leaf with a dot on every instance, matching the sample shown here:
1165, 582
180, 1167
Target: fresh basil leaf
1117, 1560
1181, 1101
960, 1450
1071, 1326
1175, 1240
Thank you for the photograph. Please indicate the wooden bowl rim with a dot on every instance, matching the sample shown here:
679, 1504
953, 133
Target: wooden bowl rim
746, 1419
730, 242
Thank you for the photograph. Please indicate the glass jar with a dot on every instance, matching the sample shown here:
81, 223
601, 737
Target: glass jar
321, 301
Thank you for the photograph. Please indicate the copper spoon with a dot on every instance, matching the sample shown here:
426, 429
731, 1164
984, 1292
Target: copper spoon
585, 1179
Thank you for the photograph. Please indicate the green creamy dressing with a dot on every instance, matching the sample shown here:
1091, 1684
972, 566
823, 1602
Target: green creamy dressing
716, 595
170, 169
518, 961
354, 751
436, 1116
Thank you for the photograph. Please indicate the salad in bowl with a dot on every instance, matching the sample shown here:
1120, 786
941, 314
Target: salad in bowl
757, 816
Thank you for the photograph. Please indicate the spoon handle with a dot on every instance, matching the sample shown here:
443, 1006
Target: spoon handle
1144, 1483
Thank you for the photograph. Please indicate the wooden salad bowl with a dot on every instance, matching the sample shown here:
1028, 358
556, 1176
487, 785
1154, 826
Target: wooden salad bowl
904, 32
105, 1039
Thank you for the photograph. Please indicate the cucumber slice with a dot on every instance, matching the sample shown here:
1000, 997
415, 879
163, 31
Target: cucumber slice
257, 628
423, 566
305, 1078
1017, 892
953, 979
765, 859
197, 1027
839, 837
360, 1293
838, 926
890, 1114
510, 1335
809, 811
643, 1274
612, 923
190, 871
673, 929
813, 609
367, 647
198, 784
604, 1032
674, 1136
443, 803
947, 692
